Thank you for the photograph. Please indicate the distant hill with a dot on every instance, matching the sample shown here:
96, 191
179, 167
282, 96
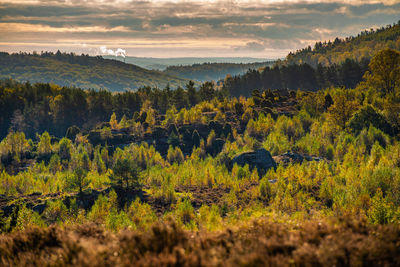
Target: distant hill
342, 62
213, 71
163, 63
358, 48
82, 71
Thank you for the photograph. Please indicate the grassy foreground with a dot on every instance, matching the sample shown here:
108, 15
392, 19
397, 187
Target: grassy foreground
262, 242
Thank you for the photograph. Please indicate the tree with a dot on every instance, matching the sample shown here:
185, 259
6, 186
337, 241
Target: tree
196, 138
192, 95
113, 121
123, 122
64, 149
343, 108
367, 116
328, 101
79, 179
125, 174
179, 98
18, 121
384, 72
207, 91
44, 145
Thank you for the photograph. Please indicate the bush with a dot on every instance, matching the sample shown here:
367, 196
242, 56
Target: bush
184, 211
265, 189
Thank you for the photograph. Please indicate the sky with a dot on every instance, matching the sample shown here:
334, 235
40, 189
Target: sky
185, 28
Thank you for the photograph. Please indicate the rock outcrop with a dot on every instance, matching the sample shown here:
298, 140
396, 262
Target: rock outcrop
260, 159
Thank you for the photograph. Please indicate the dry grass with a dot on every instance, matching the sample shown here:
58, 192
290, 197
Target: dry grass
262, 243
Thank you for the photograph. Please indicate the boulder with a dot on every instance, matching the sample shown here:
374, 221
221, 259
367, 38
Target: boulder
260, 159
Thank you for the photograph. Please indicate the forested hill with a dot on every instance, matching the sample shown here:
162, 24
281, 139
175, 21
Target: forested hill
362, 46
82, 71
293, 77
213, 71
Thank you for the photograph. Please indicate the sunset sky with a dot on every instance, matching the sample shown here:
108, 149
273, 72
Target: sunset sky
268, 29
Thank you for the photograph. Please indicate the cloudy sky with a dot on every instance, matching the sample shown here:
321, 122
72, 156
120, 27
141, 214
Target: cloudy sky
182, 28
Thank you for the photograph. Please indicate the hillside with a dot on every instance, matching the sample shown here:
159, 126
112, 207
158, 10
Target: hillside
189, 177
339, 63
82, 71
153, 63
362, 46
213, 71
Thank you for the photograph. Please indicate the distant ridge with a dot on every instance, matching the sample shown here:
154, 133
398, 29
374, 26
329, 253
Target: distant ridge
163, 63
358, 48
82, 71
214, 71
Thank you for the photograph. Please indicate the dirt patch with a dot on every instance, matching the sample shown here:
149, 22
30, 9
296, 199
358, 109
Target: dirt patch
204, 195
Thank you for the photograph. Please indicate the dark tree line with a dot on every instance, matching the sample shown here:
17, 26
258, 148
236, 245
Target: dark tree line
293, 77
213, 71
45, 107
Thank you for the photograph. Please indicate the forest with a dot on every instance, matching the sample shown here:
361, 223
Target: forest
297, 77
84, 71
213, 71
208, 176
357, 48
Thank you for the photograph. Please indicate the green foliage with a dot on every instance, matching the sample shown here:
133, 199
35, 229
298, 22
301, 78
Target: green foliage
141, 214
367, 116
79, 179
356, 173
125, 174
27, 218
212, 71
64, 149
82, 71
364, 45
381, 210
102, 207
210, 217
265, 189
385, 72
55, 212
184, 211
175, 155
44, 147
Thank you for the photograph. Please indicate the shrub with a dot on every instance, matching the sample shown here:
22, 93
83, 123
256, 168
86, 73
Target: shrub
102, 207
55, 212
265, 189
27, 218
184, 211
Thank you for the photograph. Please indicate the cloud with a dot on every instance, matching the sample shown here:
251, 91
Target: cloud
119, 52
25, 27
250, 46
241, 27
